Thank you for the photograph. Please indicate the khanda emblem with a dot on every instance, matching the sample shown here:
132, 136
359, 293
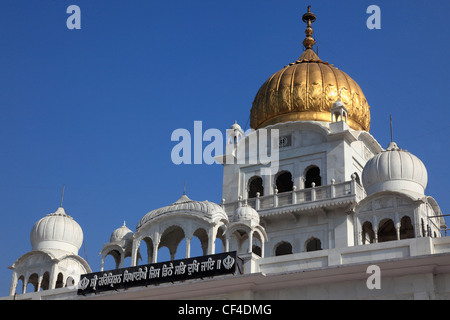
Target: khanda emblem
228, 262
83, 284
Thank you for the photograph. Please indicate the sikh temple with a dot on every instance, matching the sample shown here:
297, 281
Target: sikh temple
343, 216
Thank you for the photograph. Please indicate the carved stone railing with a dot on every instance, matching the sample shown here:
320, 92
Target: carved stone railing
295, 197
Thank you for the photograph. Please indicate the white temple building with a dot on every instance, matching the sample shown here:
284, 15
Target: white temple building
338, 203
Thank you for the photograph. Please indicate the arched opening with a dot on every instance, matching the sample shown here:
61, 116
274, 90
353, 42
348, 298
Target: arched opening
284, 182
149, 252
127, 261
283, 248
163, 254
313, 244
312, 174
180, 252
45, 281
386, 231
406, 228
239, 241
336, 116
59, 281
424, 233
32, 284
255, 185
368, 235
20, 285
218, 245
70, 282
257, 243
112, 260
170, 239
202, 236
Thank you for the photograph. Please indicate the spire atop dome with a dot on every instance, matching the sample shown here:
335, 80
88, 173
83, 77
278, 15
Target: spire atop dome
62, 195
308, 18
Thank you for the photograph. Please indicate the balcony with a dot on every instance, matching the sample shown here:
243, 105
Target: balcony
332, 195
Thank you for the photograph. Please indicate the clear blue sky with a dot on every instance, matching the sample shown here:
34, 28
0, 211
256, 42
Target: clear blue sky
94, 108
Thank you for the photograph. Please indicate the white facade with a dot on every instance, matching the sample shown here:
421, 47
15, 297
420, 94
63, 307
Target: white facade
334, 204
315, 240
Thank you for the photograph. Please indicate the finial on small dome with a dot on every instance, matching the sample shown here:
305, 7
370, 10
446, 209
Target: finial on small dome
392, 138
62, 196
308, 18
392, 146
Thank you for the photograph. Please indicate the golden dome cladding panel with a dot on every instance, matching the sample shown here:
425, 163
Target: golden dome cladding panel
306, 90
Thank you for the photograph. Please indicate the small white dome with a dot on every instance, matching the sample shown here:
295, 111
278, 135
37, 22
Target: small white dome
338, 104
235, 126
245, 213
57, 231
121, 234
394, 170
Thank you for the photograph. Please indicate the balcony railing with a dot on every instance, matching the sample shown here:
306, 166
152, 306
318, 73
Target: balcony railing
295, 197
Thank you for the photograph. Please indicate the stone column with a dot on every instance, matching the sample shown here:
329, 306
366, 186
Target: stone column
122, 258
53, 277
211, 240
134, 250
188, 247
12, 289
155, 252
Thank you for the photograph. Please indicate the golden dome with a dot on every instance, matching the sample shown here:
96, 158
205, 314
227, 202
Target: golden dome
306, 90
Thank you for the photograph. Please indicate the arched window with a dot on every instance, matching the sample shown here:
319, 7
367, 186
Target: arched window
313, 175
283, 248
70, 282
59, 281
313, 244
255, 185
367, 233
406, 228
386, 231
284, 182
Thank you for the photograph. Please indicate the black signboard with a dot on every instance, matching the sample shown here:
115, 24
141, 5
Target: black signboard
150, 274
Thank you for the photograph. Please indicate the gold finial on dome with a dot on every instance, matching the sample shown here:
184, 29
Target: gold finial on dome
306, 90
308, 18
